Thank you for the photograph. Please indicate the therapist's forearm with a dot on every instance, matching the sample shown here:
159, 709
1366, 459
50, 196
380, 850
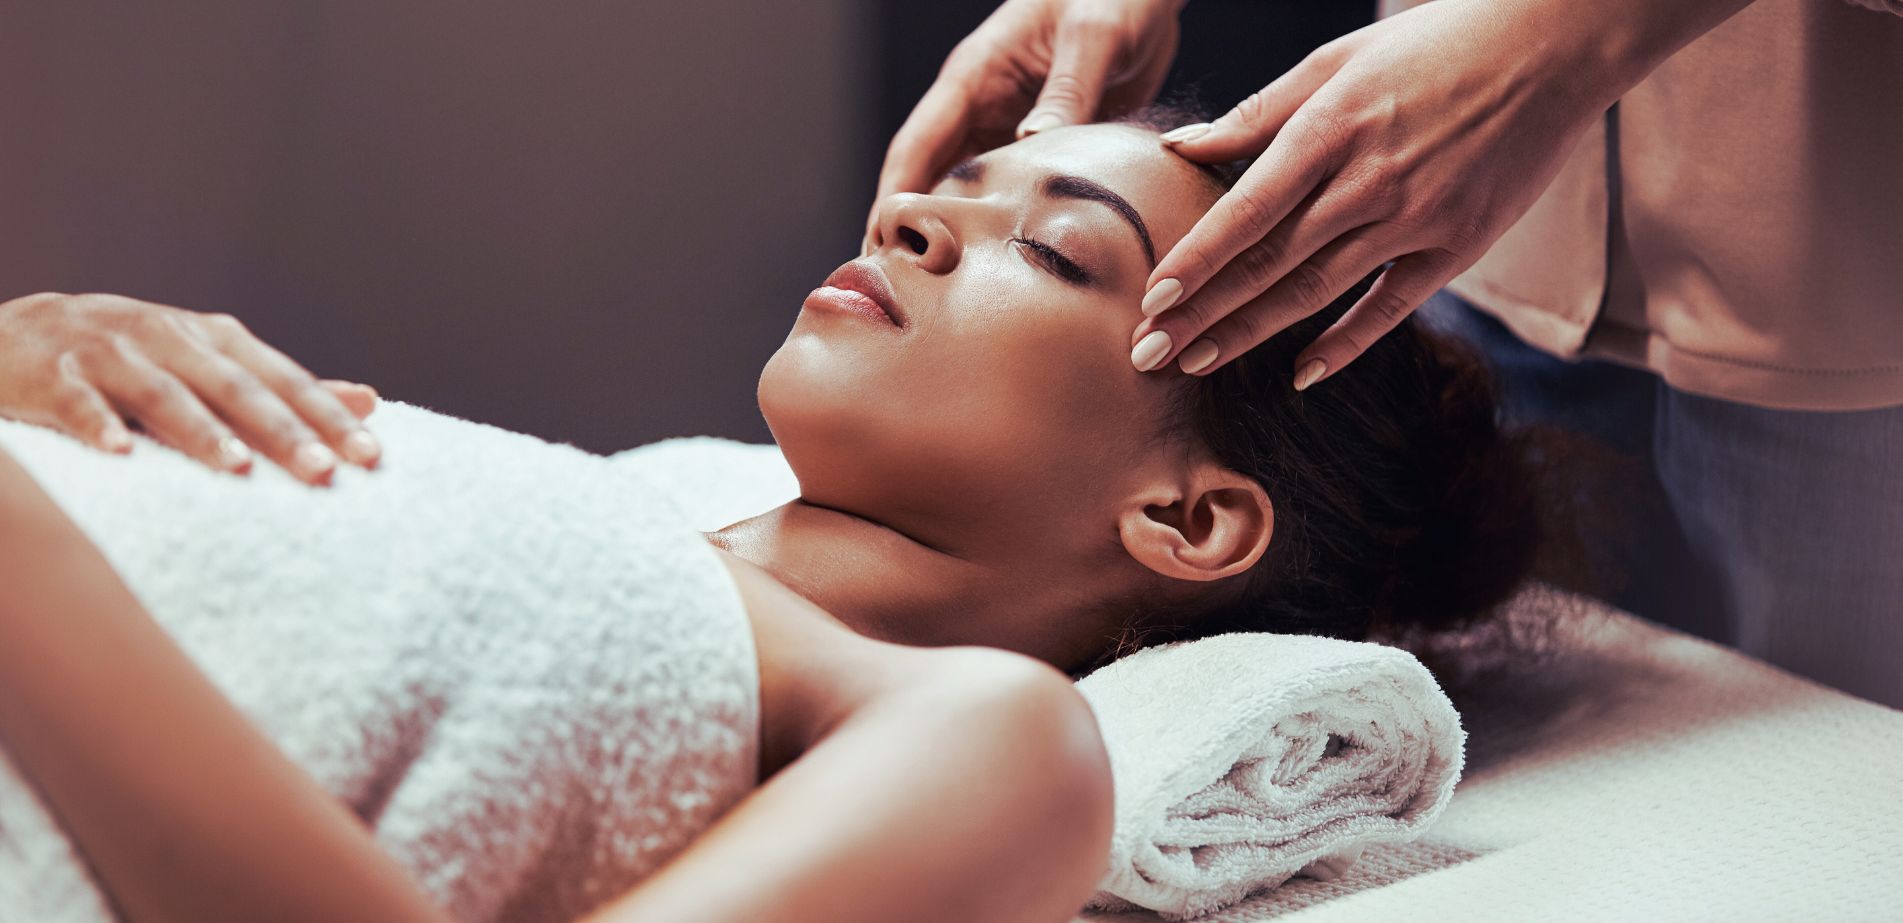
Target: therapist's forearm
183, 810
1607, 46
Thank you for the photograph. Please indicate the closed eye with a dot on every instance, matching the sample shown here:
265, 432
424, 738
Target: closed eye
1059, 265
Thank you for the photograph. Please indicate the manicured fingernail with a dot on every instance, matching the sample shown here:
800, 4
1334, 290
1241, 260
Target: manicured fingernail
1150, 350
1198, 356
233, 454
1310, 373
1186, 133
361, 448
1161, 297
314, 460
1042, 121
116, 439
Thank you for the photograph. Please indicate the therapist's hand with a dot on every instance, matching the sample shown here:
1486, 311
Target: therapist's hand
1032, 65
86, 365
1416, 140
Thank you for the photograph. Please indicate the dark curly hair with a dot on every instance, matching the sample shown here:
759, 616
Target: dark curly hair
1402, 504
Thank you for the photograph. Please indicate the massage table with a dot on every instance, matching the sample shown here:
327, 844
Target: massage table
1637, 773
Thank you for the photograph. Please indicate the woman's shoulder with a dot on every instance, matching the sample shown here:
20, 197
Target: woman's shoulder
813, 667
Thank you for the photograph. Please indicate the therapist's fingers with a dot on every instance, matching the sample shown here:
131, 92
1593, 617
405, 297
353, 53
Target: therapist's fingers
1085, 51
1032, 64
342, 432
1314, 225
1298, 151
1247, 129
1402, 288
930, 141
1311, 286
1288, 173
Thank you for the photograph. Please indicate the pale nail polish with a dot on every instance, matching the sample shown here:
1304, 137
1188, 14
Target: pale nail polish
314, 461
1310, 373
1198, 356
361, 448
1041, 122
1150, 350
116, 439
233, 454
1186, 133
1161, 297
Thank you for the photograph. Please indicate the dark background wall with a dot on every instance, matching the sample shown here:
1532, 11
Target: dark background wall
592, 220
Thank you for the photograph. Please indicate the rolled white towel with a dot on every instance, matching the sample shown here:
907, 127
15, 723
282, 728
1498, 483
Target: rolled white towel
1242, 760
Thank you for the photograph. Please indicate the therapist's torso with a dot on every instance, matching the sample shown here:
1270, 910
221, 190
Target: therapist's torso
1736, 222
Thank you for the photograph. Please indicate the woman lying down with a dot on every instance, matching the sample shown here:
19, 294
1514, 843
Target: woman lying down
500, 680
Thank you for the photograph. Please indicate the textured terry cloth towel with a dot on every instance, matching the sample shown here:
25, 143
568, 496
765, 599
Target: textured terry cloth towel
510, 658
1243, 759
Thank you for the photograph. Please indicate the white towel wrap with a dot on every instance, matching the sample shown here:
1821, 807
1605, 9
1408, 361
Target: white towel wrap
511, 658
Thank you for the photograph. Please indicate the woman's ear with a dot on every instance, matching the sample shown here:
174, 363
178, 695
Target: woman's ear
1211, 524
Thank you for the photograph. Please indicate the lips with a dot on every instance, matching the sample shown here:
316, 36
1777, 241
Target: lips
861, 286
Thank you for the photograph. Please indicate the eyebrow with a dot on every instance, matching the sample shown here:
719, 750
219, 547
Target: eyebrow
1064, 186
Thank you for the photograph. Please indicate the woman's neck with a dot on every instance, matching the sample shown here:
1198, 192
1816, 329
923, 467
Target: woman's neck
867, 575
888, 585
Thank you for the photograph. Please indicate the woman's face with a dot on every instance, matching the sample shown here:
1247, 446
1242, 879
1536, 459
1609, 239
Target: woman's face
998, 412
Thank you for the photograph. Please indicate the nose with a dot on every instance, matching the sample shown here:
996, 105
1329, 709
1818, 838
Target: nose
913, 228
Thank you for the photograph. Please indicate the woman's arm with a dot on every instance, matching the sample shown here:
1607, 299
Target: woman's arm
183, 809
936, 785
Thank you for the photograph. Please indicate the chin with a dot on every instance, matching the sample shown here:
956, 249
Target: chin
864, 434
854, 441
818, 407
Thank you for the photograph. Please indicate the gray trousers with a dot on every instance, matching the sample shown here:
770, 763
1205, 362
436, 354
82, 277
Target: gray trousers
1777, 532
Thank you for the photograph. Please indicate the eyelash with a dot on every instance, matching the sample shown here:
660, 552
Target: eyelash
1057, 262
